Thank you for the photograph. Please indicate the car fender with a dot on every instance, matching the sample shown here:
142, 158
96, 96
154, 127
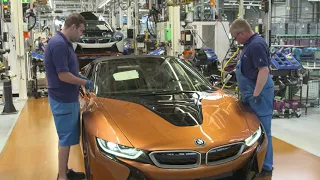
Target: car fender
252, 120
98, 123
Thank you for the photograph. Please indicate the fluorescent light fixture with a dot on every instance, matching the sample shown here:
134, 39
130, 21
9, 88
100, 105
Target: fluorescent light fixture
103, 3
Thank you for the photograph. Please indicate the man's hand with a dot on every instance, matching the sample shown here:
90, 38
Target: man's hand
261, 80
89, 85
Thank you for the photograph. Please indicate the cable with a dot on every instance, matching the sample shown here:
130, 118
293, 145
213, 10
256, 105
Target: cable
225, 65
149, 31
153, 13
32, 15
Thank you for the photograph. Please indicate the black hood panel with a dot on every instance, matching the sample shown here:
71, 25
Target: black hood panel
183, 111
178, 114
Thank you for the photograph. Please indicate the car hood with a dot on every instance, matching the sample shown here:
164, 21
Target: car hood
222, 123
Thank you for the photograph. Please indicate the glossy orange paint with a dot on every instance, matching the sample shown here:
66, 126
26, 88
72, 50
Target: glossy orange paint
225, 121
103, 167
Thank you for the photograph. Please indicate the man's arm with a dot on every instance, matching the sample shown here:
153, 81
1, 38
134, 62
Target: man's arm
261, 62
261, 80
42, 47
60, 60
72, 79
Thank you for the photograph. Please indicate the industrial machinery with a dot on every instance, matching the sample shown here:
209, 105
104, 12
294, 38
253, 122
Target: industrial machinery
211, 34
36, 67
288, 82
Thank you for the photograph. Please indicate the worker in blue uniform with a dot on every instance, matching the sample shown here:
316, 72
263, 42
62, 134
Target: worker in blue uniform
40, 46
254, 81
62, 71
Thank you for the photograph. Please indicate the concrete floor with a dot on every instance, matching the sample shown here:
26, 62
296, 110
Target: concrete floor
301, 132
33, 141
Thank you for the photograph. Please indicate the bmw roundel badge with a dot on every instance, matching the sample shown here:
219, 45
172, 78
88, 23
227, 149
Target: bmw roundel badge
199, 142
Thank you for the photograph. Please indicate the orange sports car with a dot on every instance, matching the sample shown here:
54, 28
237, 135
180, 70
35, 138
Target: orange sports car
156, 117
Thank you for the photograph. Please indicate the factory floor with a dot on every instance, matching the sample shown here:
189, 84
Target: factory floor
31, 150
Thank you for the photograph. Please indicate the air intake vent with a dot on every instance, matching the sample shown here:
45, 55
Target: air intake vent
224, 154
176, 159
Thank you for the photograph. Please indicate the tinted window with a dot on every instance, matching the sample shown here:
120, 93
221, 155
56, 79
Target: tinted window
90, 73
148, 75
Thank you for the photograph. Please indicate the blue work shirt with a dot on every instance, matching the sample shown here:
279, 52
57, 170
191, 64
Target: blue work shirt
60, 57
256, 55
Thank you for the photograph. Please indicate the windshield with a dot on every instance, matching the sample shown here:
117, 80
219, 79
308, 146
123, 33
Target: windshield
147, 75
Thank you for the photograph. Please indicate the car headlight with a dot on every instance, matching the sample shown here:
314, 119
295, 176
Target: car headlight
119, 150
254, 137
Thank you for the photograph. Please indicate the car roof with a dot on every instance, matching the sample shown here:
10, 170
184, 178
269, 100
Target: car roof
108, 58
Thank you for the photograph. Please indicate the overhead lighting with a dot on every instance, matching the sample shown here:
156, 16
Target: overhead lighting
104, 3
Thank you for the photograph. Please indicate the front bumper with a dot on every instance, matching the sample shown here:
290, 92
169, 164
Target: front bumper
104, 166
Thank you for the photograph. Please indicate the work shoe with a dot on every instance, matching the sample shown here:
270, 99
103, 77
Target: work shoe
264, 173
58, 178
72, 175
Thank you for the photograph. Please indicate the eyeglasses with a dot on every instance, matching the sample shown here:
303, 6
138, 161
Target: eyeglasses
236, 36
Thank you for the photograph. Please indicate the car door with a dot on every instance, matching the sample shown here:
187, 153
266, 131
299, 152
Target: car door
84, 99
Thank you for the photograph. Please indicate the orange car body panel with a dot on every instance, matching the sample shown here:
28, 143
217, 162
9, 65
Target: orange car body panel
103, 167
100, 123
146, 130
106, 168
225, 121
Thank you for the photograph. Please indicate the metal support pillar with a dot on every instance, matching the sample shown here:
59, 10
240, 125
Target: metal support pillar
289, 10
129, 15
220, 8
19, 42
120, 18
299, 8
113, 18
150, 2
202, 10
241, 9
136, 26
268, 22
317, 11
174, 23
39, 21
170, 24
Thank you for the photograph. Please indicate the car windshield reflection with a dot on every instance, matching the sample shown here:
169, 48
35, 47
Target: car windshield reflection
145, 75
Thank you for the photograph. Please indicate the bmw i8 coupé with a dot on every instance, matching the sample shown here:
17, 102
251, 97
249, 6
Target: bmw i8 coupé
156, 117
